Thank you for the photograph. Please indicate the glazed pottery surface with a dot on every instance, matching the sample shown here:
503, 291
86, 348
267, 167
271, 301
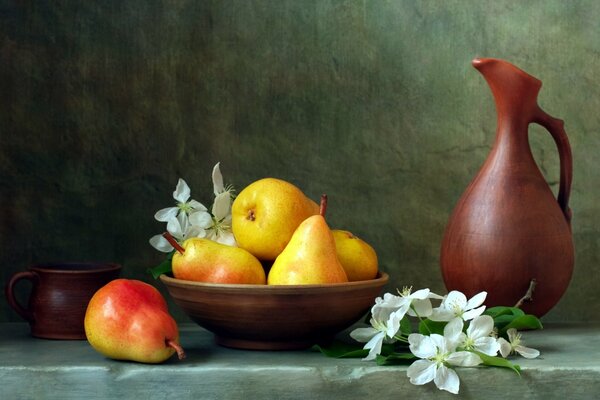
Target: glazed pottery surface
59, 296
264, 317
508, 228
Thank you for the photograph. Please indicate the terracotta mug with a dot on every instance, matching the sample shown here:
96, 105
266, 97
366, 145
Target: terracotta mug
59, 296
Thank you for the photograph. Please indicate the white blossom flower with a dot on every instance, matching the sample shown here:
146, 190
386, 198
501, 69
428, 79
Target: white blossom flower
193, 218
477, 337
218, 186
436, 354
389, 301
184, 206
419, 301
218, 228
179, 231
514, 344
455, 305
385, 323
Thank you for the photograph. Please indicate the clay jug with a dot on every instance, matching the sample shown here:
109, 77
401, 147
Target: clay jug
508, 229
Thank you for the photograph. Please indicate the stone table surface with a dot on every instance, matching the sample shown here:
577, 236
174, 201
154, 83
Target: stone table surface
569, 368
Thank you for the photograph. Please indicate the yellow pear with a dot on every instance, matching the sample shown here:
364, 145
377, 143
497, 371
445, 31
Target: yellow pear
309, 258
265, 215
203, 260
358, 258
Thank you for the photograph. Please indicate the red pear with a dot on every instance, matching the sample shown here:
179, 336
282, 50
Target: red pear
129, 320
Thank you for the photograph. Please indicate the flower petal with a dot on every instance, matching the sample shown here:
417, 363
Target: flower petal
174, 228
455, 299
381, 314
440, 343
421, 294
201, 219
421, 308
391, 301
476, 300
166, 214
453, 333
447, 379
217, 179
512, 334
421, 346
480, 327
527, 352
441, 314
375, 346
182, 217
393, 322
454, 328
363, 335
226, 238
193, 231
487, 345
435, 296
464, 359
197, 206
160, 243
505, 347
182, 191
473, 313
421, 372
221, 206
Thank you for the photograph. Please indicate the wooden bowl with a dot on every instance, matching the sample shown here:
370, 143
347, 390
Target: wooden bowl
263, 317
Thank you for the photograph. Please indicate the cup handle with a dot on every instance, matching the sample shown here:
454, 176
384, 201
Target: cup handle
556, 128
10, 294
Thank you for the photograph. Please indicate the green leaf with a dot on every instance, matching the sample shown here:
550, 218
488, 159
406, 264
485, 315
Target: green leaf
495, 312
427, 327
394, 358
523, 322
499, 362
503, 320
339, 349
162, 268
405, 326
504, 316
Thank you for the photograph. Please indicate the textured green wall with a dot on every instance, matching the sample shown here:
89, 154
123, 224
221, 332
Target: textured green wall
103, 105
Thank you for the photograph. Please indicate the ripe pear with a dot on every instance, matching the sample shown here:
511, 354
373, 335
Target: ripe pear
129, 320
206, 261
309, 258
358, 258
265, 215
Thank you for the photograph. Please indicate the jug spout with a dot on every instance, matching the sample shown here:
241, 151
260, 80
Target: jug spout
515, 91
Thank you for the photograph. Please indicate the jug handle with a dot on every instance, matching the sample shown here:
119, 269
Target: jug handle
556, 128
12, 299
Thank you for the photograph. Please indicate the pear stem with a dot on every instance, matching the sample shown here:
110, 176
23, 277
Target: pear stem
173, 344
323, 207
173, 242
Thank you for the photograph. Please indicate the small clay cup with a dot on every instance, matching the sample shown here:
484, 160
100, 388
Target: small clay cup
59, 296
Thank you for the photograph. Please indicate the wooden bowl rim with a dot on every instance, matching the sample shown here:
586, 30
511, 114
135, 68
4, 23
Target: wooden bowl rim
381, 279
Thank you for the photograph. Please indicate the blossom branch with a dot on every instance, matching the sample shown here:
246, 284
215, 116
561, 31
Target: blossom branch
528, 295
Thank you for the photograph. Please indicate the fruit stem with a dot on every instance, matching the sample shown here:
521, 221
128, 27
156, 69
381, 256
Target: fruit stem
173, 344
173, 242
323, 207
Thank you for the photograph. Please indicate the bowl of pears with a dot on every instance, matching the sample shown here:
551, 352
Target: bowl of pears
286, 285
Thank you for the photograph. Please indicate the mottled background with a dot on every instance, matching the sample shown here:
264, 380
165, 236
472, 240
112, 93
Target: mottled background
104, 105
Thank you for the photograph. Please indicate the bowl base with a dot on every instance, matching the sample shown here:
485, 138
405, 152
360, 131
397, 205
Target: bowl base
245, 344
